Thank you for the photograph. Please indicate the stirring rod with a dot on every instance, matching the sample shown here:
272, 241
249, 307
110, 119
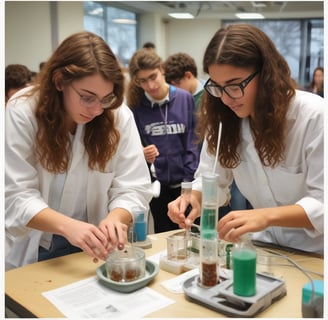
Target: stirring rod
186, 194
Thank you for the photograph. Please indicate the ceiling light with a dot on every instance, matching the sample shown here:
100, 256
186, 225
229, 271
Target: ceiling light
181, 15
124, 21
250, 15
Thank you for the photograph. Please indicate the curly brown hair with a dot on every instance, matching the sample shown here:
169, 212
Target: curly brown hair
80, 55
16, 76
243, 45
176, 65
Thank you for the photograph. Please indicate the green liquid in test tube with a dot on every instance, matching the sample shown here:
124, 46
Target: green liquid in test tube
208, 233
209, 214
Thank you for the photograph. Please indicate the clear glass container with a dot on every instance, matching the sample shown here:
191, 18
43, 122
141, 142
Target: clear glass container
177, 247
209, 214
244, 267
208, 231
209, 275
126, 265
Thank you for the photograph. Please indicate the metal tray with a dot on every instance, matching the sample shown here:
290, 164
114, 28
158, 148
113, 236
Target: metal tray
222, 299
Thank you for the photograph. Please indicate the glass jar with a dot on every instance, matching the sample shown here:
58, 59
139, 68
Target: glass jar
244, 267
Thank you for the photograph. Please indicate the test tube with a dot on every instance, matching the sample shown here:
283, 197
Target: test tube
209, 214
208, 233
186, 190
208, 262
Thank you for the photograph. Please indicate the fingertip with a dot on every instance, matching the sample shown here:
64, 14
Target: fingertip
188, 223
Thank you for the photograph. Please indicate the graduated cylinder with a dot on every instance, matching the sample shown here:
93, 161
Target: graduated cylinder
208, 232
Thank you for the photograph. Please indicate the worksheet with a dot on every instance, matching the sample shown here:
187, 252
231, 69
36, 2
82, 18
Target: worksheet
90, 299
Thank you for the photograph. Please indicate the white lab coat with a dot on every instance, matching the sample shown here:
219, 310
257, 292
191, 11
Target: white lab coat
125, 184
298, 179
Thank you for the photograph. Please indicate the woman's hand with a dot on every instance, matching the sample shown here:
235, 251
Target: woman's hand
236, 223
177, 208
89, 238
97, 242
115, 228
115, 232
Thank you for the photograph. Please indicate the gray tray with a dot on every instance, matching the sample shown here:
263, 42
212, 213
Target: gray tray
222, 299
152, 270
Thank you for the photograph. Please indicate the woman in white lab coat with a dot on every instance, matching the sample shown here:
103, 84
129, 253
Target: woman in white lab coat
75, 170
271, 143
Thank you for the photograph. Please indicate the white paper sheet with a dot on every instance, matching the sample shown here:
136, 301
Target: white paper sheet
175, 284
89, 299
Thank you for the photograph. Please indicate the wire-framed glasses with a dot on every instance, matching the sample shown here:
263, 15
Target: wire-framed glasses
234, 91
91, 100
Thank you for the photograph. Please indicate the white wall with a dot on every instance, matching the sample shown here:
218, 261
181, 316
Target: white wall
34, 29
27, 33
70, 18
151, 28
192, 37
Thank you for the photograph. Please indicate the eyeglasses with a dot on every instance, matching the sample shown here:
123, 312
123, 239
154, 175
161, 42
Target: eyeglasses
234, 91
90, 101
153, 77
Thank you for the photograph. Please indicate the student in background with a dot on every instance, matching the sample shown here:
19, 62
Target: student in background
149, 45
272, 143
17, 76
75, 169
181, 71
316, 86
165, 117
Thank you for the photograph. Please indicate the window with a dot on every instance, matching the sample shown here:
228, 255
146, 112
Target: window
116, 26
300, 42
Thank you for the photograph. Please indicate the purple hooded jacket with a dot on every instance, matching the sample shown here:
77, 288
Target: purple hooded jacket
171, 127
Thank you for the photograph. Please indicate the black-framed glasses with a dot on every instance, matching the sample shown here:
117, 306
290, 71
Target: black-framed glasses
234, 91
91, 100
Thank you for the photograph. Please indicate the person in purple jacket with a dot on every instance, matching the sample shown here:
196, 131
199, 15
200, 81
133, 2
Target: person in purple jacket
165, 117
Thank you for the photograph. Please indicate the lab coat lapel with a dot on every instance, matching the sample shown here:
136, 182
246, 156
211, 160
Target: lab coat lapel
74, 174
261, 184
78, 148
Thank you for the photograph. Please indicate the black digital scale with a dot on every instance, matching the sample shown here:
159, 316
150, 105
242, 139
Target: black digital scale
222, 299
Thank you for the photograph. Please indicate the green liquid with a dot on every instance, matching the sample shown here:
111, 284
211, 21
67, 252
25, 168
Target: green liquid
244, 272
208, 223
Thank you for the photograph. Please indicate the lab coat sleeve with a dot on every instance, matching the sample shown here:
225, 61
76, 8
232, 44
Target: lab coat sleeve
131, 185
22, 196
313, 201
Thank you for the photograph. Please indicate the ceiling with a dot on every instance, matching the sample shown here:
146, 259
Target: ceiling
227, 9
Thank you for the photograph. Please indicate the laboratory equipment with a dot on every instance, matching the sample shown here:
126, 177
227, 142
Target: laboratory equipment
126, 265
244, 267
222, 299
208, 233
140, 227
